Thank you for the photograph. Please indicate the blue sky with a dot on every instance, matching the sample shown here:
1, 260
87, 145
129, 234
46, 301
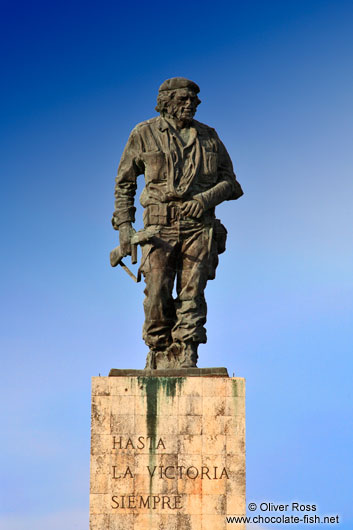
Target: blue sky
276, 82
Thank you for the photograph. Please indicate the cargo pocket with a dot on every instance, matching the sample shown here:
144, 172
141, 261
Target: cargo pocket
145, 262
155, 166
210, 162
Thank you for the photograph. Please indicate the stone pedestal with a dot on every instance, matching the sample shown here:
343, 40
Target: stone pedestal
167, 453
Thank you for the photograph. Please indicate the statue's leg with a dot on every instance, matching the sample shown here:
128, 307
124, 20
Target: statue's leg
191, 308
159, 273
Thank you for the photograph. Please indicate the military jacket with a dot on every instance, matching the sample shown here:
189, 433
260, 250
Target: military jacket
174, 170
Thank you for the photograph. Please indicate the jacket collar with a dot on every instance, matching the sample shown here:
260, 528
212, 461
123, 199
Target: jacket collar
163, 125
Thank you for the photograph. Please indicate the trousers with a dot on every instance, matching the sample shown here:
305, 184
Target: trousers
176, 261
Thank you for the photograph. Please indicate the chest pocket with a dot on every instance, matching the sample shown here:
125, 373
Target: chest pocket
210, 163
155, 166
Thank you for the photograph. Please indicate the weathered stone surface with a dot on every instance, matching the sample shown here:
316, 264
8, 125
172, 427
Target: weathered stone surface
167, 452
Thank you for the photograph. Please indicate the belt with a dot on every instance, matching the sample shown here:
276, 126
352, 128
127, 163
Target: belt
167, 213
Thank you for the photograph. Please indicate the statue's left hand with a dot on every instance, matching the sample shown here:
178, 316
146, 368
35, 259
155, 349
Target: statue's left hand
192, 208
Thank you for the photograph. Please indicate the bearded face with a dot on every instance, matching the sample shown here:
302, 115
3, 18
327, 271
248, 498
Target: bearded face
180, 103
183, 105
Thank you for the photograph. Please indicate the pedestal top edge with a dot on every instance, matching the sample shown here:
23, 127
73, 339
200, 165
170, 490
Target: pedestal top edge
182, 372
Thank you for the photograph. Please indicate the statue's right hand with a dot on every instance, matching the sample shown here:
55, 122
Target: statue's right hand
125, 234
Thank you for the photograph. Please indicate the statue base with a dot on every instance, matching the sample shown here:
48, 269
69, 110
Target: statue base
167, 450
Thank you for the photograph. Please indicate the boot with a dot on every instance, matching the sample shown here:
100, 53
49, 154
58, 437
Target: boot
190, 355
151, 360
160, 359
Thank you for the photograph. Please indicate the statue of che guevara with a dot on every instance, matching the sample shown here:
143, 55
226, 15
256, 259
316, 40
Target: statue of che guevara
187, 173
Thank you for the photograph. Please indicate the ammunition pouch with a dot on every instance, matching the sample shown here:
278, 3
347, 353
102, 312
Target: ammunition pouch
156, 214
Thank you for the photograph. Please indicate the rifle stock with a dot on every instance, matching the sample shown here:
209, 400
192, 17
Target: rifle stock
115, 256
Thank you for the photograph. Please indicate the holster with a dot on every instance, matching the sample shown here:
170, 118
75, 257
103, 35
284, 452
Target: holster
217, 246
219, 236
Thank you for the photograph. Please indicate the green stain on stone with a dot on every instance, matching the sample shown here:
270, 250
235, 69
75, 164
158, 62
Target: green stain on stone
234, 388
169, 385
151, 389
150, 384
153, 386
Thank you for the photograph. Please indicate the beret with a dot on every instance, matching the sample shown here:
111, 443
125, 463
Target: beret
179, 82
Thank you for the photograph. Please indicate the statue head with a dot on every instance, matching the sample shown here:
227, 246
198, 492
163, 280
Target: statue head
177, 97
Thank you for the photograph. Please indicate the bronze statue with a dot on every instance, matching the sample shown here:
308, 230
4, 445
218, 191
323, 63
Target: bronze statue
187, 173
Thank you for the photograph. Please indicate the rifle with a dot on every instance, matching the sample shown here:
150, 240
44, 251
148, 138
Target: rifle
139, 238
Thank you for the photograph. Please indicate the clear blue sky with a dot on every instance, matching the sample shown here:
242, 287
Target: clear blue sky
276, 83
